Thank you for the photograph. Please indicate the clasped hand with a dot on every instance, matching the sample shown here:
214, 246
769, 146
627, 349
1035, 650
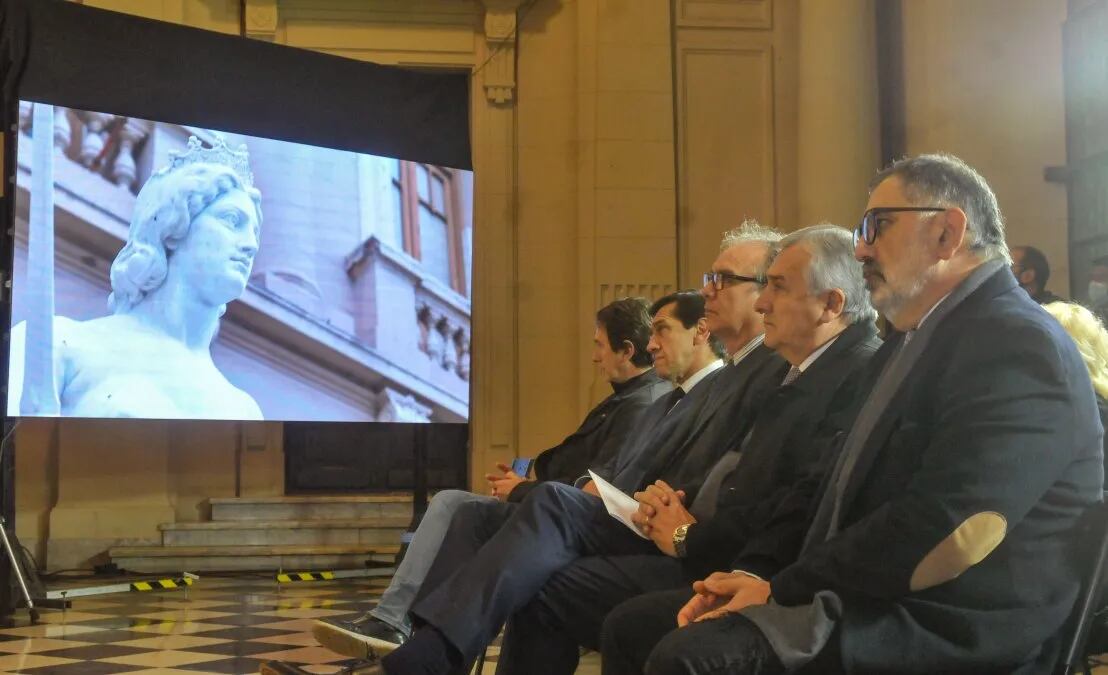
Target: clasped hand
500, 486
723, 593
661, 511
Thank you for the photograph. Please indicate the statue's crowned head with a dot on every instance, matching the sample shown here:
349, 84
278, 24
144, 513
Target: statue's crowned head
165, 209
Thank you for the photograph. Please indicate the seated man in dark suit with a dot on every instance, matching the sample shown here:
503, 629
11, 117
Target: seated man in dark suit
687, 443
730, 290
817, 316
620, 353
941, 541
684, 352
493, 582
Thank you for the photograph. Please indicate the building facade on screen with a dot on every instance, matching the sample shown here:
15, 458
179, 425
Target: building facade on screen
357, 305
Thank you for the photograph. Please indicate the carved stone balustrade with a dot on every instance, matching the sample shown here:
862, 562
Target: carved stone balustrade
103, 143
414, 319
124, 171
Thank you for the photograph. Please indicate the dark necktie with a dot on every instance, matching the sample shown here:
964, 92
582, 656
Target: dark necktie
674, 397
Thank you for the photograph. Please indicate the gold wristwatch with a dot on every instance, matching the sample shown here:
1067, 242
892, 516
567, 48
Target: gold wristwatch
679, 540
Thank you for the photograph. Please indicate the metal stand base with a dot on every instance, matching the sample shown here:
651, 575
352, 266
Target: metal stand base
36, 596
17, 569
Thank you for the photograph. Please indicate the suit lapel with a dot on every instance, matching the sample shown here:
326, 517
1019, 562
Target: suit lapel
1000, 282
730, 380
666, 437
654, 420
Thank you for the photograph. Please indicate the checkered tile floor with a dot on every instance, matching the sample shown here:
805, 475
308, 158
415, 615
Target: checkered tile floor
223, 625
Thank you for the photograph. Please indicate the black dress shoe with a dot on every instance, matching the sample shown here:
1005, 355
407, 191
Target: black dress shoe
366, 637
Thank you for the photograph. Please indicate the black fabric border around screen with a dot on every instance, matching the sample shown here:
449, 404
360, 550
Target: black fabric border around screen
91, 59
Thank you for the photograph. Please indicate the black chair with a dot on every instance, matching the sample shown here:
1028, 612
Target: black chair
1092, 559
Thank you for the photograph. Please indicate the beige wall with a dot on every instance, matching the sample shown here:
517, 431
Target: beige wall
984, 81
736, 69
613, 141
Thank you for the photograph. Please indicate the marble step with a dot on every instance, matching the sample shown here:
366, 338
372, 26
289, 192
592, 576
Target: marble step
317, 532
176, 559
312, 507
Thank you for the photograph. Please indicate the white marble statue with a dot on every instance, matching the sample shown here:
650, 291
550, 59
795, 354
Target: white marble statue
190, 248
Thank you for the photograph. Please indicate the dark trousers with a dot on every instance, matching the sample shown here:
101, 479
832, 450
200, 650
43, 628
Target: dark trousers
473, 524
555, 525
641, 637
543, 636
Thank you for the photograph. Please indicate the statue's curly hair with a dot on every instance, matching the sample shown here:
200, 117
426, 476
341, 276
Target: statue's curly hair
164, 210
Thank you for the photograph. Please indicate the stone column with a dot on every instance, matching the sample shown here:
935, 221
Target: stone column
838, 127
494, 405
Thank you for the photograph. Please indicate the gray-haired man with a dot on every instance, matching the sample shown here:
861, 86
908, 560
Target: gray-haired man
942, 540
817, 317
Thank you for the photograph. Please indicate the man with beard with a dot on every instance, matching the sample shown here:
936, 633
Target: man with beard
941, 540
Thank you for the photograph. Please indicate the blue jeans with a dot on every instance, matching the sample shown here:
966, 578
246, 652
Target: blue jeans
401, 593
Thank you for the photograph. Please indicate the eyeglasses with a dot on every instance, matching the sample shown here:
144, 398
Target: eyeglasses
868, 229
718, 280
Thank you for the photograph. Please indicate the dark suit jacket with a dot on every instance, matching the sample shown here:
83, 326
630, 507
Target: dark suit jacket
662, 431
787, 442
998, 415
740, 393
601, 435
716, 415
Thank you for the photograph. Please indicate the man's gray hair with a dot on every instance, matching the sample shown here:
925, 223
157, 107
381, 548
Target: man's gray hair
833, 266
751, 231
945, 180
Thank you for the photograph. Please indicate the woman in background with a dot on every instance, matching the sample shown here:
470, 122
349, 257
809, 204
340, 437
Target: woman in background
1091, 338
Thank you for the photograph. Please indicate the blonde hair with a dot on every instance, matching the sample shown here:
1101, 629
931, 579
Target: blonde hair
1090, 336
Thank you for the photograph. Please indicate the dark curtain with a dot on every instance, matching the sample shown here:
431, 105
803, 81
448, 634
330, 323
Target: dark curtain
76, 56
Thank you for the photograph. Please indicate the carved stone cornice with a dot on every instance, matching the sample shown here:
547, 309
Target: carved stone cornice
499, 72
259, 19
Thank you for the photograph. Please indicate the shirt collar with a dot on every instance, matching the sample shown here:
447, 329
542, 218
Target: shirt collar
738, 356
931, 311
816, 354
699, 375
909, 333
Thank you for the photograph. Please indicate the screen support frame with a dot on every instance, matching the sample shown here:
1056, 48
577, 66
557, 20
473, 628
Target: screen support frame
10, 129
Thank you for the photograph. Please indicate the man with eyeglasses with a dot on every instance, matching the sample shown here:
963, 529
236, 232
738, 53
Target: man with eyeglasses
730, 290
941, 541
818, 318
716, 411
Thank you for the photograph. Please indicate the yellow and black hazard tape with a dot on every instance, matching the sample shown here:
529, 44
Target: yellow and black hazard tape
161, 584
305, 576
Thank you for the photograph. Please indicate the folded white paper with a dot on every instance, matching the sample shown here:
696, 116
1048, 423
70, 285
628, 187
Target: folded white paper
619, 505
